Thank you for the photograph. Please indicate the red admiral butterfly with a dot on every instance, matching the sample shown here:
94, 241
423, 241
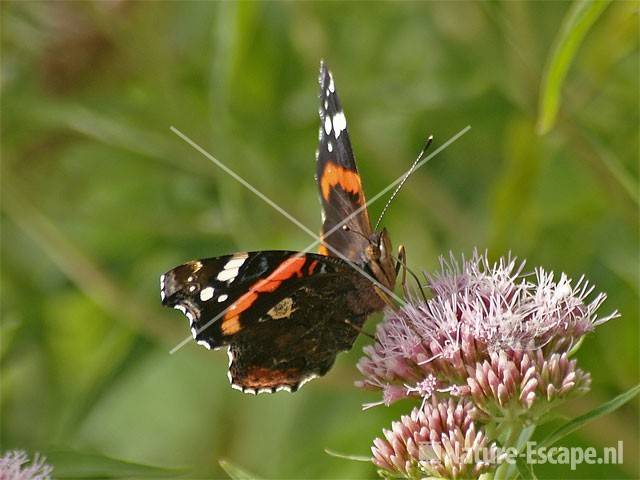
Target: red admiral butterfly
285, 315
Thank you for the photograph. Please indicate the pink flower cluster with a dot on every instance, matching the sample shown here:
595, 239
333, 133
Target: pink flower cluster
14, 465
439, 439
491, 335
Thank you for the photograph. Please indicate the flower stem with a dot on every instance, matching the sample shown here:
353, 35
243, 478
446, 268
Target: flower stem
516, 436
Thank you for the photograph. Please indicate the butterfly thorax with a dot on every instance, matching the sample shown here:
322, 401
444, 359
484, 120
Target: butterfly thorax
379, 260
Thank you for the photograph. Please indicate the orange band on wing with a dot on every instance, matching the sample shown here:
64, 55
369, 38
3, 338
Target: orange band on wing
312, 267
240, 305
287, 269
231, 325
336, 175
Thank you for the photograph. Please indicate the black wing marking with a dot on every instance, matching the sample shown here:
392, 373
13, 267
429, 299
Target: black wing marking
341, 192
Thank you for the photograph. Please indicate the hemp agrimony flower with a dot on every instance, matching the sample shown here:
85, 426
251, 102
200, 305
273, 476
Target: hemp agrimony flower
440, 439
14, 466
494, 338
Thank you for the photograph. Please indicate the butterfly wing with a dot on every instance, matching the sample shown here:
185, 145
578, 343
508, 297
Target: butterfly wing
300, 342
221, 296
338, 179
284, 315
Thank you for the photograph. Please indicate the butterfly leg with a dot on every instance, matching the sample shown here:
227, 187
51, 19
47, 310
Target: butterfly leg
358, 329
385, 298
402, 264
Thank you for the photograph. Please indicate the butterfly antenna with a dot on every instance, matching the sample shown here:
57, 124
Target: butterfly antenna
411, 170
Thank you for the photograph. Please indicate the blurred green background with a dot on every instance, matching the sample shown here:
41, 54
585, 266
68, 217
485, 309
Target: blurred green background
99, 198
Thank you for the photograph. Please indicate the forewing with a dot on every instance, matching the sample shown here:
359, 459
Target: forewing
338, 179
223, 296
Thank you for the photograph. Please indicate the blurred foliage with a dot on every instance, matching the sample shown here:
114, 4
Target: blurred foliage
99, 198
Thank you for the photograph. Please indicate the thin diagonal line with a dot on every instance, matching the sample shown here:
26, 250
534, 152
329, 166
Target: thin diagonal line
287, 215
283, 212
243, 181
292, 218
318, 240
301, 225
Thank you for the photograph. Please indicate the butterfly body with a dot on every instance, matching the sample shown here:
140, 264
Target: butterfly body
284, 315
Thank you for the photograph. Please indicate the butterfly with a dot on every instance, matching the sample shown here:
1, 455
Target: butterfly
285, 315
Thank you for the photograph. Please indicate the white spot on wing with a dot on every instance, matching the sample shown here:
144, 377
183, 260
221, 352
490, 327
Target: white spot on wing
332, 87
330, 147
205, 344
222, 298
234, 263
227, 274
206, 293
339, 123
162, 295
327, 124
230, 269
192, 288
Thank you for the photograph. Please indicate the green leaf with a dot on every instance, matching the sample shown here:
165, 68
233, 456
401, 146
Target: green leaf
235, 472
73, 464
552, 416
575, 25
347, 456
597, 412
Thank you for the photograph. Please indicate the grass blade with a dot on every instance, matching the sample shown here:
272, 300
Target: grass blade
597, 412
347, 456
581, 16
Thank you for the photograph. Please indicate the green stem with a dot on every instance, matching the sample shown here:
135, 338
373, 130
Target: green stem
516, 435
